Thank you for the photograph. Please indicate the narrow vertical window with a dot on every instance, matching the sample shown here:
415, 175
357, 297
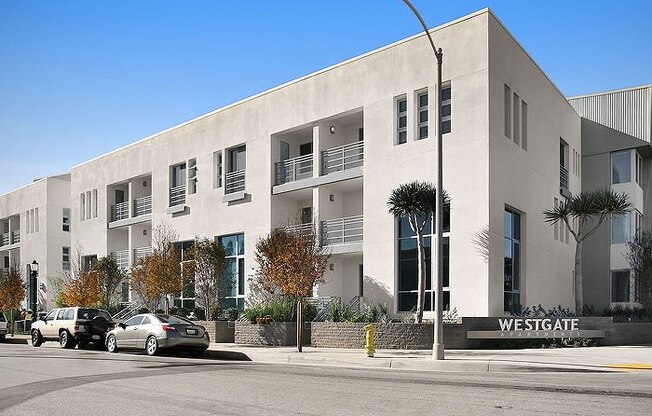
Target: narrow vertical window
512, 260
192, 176
446, 110
82, 206
65, 258
27, 222
557, 224
639, 169
401, 121
523, 125
88, 204
620, 286
217, 157
422, 101
94, 203
621, 228
517, 120
508, 112
36, 220
621, 167
65, 220
178, 184
563, 166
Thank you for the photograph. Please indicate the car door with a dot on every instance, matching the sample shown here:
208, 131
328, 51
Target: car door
144, 329
50, 329
129, 335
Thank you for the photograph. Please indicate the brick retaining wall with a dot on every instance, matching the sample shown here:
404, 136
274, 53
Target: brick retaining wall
272, 334
219, 331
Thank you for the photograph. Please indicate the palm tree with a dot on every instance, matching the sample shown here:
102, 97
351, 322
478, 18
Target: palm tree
575, 213
416, 201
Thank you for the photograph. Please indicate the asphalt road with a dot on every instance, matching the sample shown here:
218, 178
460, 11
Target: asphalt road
50, 381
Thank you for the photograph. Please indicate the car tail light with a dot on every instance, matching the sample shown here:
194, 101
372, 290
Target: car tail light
80, 326
168, 328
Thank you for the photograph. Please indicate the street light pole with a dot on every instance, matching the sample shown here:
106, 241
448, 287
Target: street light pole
437, 264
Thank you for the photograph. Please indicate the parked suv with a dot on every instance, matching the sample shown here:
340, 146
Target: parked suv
72, 326
3, 326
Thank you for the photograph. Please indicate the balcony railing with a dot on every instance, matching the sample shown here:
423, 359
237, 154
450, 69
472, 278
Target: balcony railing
177, 195
563, 177
294, 169
141, 253
143, 205
4, 272
235, 182
15, 236
341, 158
4, 239
120, 211
121, 257
342, 230
304, 229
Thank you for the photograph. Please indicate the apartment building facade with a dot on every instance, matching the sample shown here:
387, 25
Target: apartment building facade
326, 150
35, 226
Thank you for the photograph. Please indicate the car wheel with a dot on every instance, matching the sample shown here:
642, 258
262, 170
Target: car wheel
36, 338
65, 340
151, 346
111, 344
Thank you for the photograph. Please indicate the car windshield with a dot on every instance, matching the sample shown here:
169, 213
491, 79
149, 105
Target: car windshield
92, 313
171, 319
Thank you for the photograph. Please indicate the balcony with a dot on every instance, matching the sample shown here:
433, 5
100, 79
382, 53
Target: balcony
345, 232
141, 252
120, 211
4, 239
235, 182
294, 169
341, 158
143, 205
304, 229
177, 195
15, 236
121, 257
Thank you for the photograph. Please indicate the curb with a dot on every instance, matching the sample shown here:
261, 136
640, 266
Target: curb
226, 355
14, 341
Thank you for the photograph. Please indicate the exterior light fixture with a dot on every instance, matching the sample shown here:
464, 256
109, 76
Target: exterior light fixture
331, 197
332, 129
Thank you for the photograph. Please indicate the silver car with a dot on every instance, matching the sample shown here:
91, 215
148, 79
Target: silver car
154, 332
3, 326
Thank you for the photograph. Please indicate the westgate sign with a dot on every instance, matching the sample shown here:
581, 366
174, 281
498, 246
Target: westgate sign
513, 327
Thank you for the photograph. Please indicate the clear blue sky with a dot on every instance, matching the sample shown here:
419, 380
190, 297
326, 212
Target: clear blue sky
80, 78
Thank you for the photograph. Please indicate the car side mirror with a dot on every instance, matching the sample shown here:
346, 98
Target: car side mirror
122, 325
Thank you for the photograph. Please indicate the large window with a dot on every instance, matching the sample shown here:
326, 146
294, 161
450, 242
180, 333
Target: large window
66, 220
446, 119
512, 262
620, 286
401, 121
621, 167
65, 258
187, 298
621, 227
422, 102
233, 289
408, 266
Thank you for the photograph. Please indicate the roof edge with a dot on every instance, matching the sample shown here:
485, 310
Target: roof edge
593, 94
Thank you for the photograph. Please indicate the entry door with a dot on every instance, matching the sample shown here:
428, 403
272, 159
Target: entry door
284, 149
119, 196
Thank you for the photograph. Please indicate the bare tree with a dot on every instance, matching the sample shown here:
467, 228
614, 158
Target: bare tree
207, 264
640, 260
12, 292
109, 277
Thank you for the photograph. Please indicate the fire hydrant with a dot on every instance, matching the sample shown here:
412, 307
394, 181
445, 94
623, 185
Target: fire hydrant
370, 332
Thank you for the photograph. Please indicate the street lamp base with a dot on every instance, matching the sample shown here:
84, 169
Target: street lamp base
437, 351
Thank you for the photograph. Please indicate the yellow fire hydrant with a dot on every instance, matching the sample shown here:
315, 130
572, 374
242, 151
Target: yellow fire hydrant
370, 332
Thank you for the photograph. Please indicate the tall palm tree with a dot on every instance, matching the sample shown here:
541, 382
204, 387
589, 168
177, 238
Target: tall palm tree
575, 213
416, 201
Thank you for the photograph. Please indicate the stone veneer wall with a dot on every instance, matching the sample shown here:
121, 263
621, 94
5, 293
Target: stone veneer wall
219, 331
276, 334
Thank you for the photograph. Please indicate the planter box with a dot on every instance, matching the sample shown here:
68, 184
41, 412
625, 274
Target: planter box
276, 334
219, 331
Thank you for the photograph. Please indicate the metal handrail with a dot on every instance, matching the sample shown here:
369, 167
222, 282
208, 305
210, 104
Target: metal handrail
563, 177
143, 205
235, 181
142, 252
342, 230
177, 195
4, 239
15, 236
344, 157
120, 211
294, 169
305, 228
121, 257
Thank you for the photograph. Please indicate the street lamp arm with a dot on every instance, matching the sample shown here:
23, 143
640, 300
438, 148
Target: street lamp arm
438, 52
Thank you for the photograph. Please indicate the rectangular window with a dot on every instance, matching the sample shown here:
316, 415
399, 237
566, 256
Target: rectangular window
27, 222
178, 184
557, 224
82, 206
446, 110
508, 112
620, 286
89, 203
65, 258
401, 121
233, 289
512, 260
517, 120
219, 169
36, 218
422, 118
523, 125
621, 228
237, 159
88, 262
621, 167
638, 218
94, 203
563, 165
192, 176
178, 176
639, 170
66, 220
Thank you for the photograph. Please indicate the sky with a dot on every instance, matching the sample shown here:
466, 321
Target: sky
81, 78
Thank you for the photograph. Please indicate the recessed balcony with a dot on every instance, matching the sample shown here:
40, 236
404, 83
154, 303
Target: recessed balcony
121, 257
120, 211
343, 235
141, 252
15, 237
143, 206
341, 158
294, 169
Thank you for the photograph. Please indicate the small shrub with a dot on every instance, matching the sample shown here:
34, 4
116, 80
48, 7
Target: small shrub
231, 314
450, 316
200, 314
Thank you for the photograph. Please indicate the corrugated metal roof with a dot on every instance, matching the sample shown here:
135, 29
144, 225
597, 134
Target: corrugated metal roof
628, 110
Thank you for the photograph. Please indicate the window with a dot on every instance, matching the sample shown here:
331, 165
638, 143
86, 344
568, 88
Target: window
517, 120
422, 118
89, 203
88, 262
523, 125
639, 170
219, 169
136, 320
192, 176
178, 175
558, 223
446, 109
61, 314
65, 258
508, 111
27, 222
512, 262
233, 289
36, 218
620, 286
621, 228
621, 171
238, 159
186, 298
82, 206
235, 178
146, 321
94, 203
563, 165
401, 121
638, 223
408, 265
65, 221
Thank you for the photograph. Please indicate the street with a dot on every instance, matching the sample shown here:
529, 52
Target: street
51, 381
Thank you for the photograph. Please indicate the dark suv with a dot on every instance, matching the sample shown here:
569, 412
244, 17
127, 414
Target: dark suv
73, 326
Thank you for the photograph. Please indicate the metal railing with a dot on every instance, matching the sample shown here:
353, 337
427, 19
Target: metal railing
344, 157
306, 228
130, 309
235, 182
121, 257
294, 169
177, 195
563, 177
15, 236
141, 253
4, 239
143, 205
4, 272
323, 306
120, 211
342, 230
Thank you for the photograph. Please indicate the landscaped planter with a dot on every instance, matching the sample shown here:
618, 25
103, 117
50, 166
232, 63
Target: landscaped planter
388, 336
219, 331
273, 334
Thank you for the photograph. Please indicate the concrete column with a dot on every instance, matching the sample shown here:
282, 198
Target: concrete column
316, 152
